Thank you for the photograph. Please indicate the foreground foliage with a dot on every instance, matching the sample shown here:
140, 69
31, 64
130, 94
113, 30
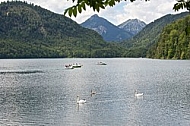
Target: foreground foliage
97, 5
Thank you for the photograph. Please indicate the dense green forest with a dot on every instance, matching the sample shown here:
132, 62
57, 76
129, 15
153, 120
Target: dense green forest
174, 42
140, 44
29, 31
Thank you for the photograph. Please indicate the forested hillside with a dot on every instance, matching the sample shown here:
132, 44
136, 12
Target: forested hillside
29, 31
174, 42
139, 44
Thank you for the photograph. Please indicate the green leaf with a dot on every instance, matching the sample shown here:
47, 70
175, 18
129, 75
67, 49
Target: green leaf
111, 3
75, 11
79, 8
98, 9
66, 11
70, 11
101, 6
83, 6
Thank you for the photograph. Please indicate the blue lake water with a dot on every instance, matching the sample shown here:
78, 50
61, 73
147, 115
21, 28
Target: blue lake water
41, 92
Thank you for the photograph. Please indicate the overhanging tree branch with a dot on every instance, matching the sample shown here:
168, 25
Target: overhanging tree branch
181, 4
96, 5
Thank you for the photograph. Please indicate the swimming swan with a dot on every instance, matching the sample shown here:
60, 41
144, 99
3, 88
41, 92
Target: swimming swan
80, 101
138, 94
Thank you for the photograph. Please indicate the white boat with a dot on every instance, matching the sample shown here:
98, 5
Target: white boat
77, 65
69, 67
101, 63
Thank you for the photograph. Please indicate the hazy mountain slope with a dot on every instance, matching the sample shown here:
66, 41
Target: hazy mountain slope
132, 26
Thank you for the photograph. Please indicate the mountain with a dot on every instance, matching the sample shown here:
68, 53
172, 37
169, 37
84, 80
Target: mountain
149, 35
132, 26
107, 30
174, 42
29, 31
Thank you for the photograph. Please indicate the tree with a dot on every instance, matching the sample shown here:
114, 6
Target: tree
182, 4
96, 5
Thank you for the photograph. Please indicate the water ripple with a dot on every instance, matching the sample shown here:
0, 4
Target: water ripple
21, 72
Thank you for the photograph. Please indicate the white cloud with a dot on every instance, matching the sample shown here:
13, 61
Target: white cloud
145, 11
57, 6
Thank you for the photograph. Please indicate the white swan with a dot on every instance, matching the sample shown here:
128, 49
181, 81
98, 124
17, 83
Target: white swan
80, 101
138, 94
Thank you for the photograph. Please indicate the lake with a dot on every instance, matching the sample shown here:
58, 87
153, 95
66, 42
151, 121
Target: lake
41, 92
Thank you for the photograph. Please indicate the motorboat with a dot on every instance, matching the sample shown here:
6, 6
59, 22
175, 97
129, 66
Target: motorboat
101, 63
77, 65
69, 66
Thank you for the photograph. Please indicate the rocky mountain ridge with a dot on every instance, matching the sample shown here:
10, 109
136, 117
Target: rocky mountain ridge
133, 26
107, 30
111, 32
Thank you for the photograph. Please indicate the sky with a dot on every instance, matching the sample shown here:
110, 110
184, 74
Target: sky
121, 12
